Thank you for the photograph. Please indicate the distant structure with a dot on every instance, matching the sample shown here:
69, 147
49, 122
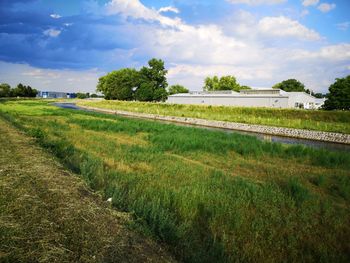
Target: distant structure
269, 98
56, 95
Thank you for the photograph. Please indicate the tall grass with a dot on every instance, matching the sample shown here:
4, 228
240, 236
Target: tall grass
211, 196
331, 121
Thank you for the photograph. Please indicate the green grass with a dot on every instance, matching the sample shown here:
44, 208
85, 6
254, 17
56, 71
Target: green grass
334, 121
48, 214
211, 196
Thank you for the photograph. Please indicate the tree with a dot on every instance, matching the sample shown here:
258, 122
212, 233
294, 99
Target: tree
339, 95
5, 90
81, 95
23, 91
145, 92
245, 87
290, 85
228, 83
224, 83
175, 89
148, 84
318, 95
120, 84
153, 82
211, 84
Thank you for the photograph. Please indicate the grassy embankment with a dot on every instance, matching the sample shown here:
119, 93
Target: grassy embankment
48, 214
335, 121
212, 196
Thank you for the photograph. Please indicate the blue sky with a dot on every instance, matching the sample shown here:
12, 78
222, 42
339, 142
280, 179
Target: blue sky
66, 45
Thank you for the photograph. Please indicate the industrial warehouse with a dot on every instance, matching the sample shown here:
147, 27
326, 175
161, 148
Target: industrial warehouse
270, 98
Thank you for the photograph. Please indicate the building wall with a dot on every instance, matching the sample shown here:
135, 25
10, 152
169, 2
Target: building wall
241, 101
56, 95
301, 100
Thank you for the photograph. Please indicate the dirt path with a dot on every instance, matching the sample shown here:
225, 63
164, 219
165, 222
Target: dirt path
47, 214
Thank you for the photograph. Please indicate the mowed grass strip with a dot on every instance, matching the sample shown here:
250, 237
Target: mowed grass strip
211, 196
330, 121
48, 214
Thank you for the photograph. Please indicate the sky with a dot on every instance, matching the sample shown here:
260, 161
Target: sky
58, 45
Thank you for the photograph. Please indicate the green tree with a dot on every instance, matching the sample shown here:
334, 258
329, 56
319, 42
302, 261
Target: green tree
145, 92
245, 87
5, 90
175, 89
23, 91
211, 84
224, 83
153, 82
339, 95
290, 85
148, 84
229, 83
119, 84
81, 95
318, 95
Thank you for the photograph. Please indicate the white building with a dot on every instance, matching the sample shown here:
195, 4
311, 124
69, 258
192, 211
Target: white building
270, 98
56, 95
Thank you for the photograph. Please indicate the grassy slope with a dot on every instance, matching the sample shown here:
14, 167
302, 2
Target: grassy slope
212, 196
49, 215
335, 121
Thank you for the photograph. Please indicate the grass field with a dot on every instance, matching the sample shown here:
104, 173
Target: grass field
48, 214
335, 121
211, 196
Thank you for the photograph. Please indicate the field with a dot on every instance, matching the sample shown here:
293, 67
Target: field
209, 195
335, 121
48, 214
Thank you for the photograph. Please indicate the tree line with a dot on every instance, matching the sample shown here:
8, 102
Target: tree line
19, 91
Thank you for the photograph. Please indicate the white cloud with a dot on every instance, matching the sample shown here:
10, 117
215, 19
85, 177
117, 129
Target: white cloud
331, 53
310, 2
135, 9
242, 47
55, 16
343, 26
169, 9
256, 2
131, 8
304, 13
325, 7
42, 74
48, 79
248, 48
52, 32
285, 27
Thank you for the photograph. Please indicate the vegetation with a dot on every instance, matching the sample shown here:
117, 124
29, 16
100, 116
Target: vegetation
81, 95
48, 214
339, 95
211, 196
224, 83
290, 85
19, 91
148, 84
119, 85
175, 89
336, 121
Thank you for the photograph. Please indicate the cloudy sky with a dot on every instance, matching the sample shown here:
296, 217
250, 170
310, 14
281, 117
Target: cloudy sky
66, 45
